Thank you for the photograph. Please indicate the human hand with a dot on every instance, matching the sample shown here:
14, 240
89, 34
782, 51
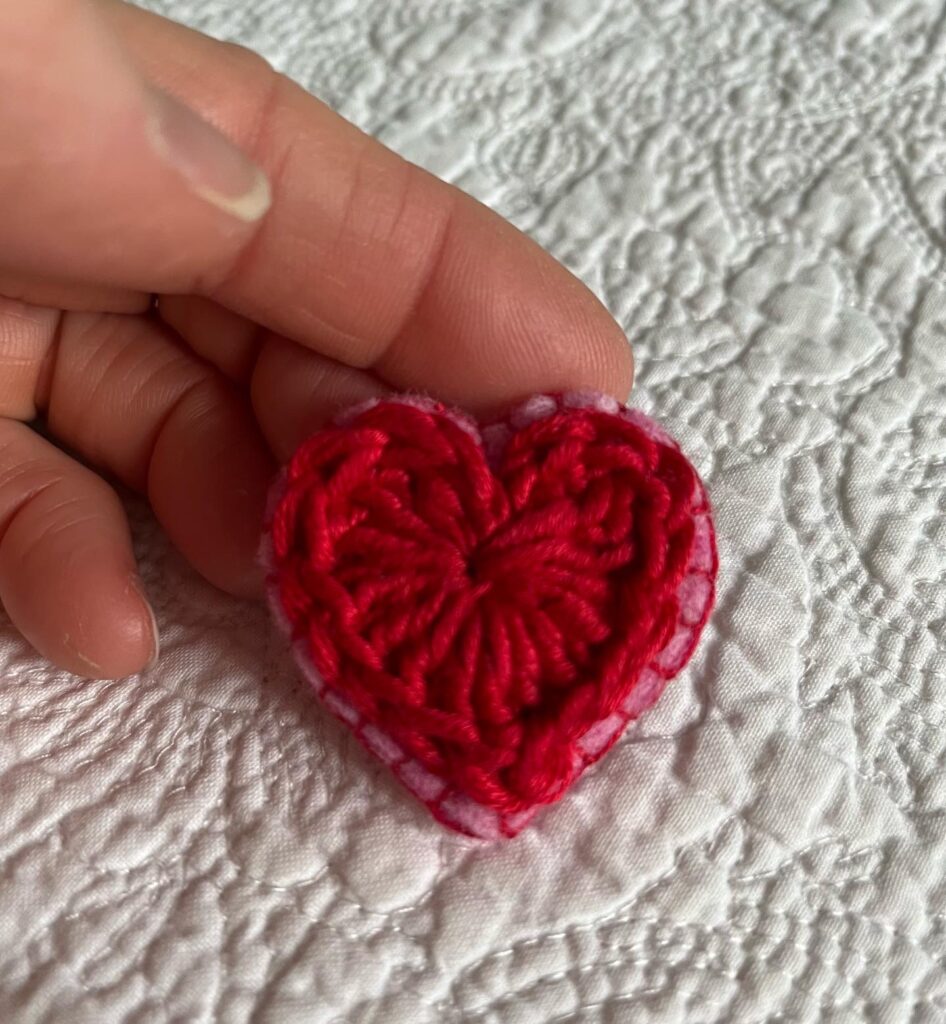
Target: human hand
181, 310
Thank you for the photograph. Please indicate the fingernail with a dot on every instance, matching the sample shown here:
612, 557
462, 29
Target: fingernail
139, 588
209, 162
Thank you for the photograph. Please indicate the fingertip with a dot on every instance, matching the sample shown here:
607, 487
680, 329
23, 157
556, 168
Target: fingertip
207, 481
499, 318
119, 639
617, 362
74, 602
296, 391
148, 622
599, 356
578, 344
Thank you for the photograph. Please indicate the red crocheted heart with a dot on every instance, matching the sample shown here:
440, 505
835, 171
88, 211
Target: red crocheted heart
488, 609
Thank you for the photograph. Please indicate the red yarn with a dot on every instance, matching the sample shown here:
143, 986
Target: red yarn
489, 627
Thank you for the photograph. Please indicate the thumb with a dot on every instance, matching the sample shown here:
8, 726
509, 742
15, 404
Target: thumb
103, 178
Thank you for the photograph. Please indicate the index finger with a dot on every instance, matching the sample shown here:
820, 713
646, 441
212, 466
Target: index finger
367, 258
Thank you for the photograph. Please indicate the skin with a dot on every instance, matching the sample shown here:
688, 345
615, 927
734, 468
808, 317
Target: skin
183, 342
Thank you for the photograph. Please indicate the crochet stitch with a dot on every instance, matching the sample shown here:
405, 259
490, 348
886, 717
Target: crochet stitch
487, 608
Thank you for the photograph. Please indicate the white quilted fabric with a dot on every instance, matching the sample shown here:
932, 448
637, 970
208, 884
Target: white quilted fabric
757, 188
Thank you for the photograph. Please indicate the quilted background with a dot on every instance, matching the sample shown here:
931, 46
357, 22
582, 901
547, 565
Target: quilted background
757, 189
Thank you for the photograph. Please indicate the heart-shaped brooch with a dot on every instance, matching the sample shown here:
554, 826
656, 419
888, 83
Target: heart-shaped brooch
487, 607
